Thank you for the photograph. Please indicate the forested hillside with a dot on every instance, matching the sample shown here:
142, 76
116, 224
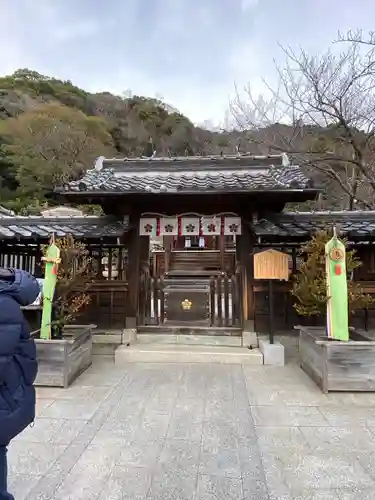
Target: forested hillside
51, 131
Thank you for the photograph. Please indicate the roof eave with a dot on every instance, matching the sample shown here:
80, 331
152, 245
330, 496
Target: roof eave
100, 193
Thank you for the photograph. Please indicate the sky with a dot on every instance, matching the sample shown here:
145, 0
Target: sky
191, 53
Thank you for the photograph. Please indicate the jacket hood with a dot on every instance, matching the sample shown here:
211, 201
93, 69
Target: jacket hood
24, 289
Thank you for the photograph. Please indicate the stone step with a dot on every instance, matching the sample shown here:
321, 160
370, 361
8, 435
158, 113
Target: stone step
160, 338
105, 343
185, 285
192, 273
169, 353
186, 280
188, 329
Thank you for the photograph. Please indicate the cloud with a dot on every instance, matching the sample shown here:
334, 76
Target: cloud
28, 34
12, 54
185, 50
248, 4
59, 25
189, 51
75, 30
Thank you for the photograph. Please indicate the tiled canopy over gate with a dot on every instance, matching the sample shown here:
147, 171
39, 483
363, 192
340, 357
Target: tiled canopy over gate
201, 174
140, 177
297, 226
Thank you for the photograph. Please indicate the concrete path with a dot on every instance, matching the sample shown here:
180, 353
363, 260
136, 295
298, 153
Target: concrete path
196, 432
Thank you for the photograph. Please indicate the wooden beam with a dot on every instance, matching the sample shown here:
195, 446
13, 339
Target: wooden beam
244, 260
221, 239
133, 263
168, 243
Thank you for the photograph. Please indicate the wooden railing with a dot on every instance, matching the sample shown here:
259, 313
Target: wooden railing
201, 260
151, 301
25, 258
285, 286
108, 308
158, 264
192, 260
285, 314
226, 301
107, 263
223, 294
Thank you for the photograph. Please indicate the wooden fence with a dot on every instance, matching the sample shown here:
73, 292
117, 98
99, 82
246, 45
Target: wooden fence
286, 317
108, 307
26, 257
108, 262
226, 301
216, 301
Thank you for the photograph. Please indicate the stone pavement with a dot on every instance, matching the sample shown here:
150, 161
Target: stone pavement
196, 432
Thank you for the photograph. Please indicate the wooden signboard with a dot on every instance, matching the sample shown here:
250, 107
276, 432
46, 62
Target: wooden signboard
271, 265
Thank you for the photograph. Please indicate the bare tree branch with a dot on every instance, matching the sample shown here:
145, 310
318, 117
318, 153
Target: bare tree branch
357, 36
322, 113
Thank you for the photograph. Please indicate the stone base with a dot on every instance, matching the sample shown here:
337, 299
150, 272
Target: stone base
203, 340
129, 336
250, 339
273, 354
169, 353
105, 344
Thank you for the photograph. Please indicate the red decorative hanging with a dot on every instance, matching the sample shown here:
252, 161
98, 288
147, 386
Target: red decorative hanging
158, 226
338, 269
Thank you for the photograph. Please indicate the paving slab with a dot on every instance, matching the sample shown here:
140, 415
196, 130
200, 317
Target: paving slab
195, 431
179, 353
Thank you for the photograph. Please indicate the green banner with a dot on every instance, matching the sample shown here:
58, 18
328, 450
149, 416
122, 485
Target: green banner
52, 261
337, 290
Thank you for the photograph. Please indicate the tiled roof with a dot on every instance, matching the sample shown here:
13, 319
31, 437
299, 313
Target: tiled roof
274, 227
195, 174
356, 225
31, 227
6, 211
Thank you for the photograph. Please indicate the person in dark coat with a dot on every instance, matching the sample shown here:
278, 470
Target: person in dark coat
18, 365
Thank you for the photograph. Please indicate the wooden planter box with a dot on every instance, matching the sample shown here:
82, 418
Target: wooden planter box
62, 361
335, 365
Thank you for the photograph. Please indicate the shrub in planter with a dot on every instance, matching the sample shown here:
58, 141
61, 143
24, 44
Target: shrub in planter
309, 285
74, 276
69, 351
334, 365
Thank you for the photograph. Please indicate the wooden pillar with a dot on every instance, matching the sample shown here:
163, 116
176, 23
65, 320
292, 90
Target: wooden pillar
250, 280
168, 243
138, 261
133, 265
244, 262
221, 239
38, 271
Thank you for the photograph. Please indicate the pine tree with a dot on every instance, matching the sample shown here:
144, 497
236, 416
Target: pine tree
309, 284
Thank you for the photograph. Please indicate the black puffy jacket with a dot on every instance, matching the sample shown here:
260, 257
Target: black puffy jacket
18, 365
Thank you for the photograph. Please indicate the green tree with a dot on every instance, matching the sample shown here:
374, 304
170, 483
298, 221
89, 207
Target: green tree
37, 85
8, 181
52, 144
309, 284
